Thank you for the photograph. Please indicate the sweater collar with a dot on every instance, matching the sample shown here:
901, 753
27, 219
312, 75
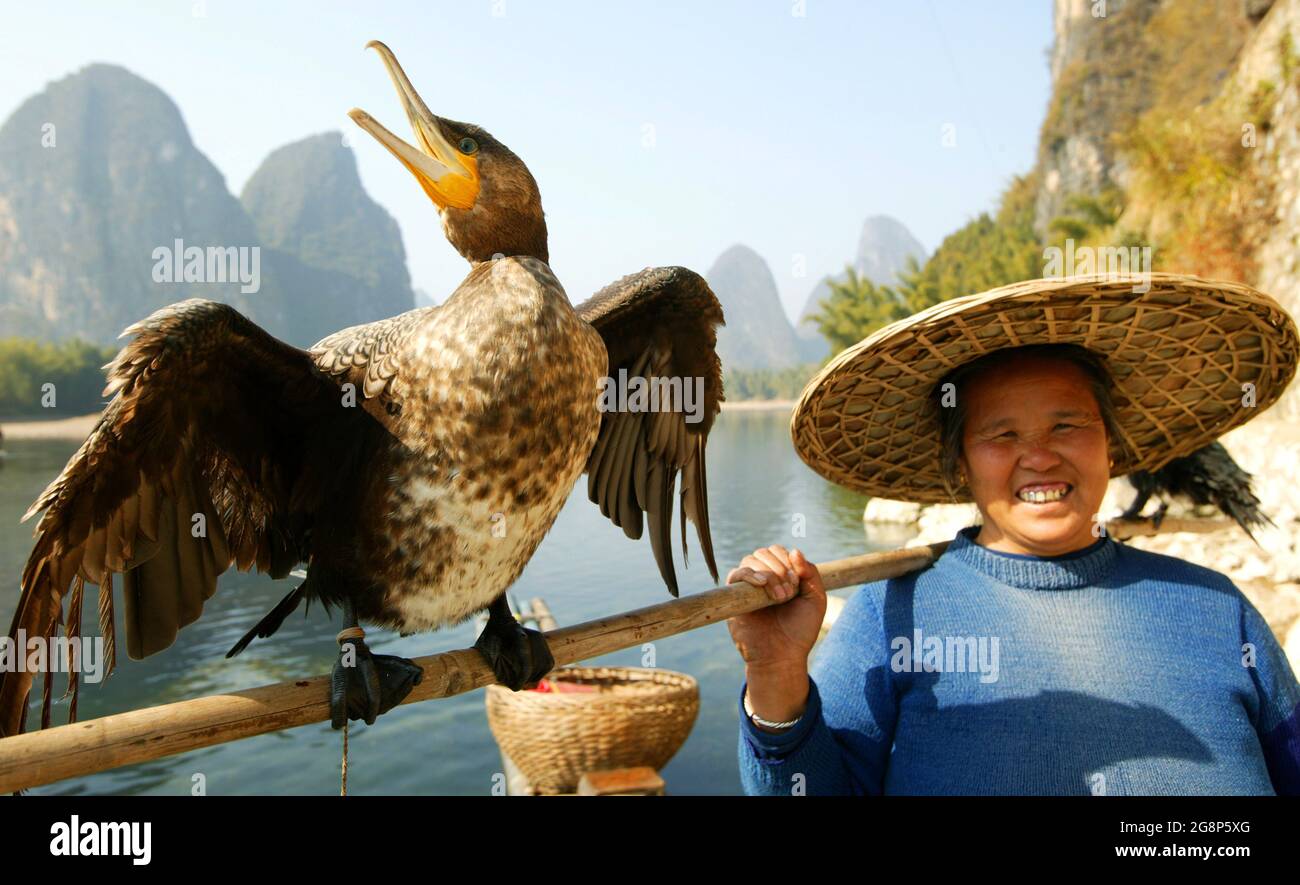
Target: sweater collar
1068, 571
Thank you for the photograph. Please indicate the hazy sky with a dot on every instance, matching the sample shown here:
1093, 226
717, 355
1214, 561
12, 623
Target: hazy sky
659, 132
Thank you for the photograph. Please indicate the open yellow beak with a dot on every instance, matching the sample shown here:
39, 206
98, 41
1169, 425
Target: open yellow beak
448, 176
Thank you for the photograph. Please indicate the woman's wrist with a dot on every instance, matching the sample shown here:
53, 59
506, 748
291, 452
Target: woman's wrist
778, 693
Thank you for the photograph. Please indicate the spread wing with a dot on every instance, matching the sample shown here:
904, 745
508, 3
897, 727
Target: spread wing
659, 326
208, 454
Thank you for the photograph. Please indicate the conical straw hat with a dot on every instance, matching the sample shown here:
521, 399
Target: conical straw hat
1188, 357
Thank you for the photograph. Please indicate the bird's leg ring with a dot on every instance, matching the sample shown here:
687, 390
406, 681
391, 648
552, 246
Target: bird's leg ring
365, 685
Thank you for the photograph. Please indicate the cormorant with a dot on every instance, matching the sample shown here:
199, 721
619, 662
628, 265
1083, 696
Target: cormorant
1207, 476
414, 464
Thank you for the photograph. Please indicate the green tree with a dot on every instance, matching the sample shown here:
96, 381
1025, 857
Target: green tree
987, 252
765, 384
73, 367
855, 308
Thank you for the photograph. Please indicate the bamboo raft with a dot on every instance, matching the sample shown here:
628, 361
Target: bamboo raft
42, 757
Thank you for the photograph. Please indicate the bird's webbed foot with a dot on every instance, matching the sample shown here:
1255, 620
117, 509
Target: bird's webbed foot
365, 685
518, 656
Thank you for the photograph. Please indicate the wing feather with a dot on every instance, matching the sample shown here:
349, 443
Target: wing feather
657, 325
206, 407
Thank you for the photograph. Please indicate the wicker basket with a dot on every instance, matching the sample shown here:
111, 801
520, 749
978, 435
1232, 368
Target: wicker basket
635, 717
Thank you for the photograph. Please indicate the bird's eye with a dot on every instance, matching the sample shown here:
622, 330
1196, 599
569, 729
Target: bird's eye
468, 145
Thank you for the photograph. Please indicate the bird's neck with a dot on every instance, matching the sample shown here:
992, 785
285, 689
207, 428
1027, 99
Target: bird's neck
481, 240
479, 260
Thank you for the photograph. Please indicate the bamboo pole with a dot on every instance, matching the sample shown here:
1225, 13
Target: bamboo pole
1143, 527
42, 757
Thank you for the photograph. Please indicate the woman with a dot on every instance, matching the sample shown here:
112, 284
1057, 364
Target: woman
1036, 655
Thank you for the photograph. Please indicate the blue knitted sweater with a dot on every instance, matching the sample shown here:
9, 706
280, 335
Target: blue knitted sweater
1108, 671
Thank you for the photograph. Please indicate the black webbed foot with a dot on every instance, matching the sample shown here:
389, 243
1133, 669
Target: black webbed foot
365, 685
518, 656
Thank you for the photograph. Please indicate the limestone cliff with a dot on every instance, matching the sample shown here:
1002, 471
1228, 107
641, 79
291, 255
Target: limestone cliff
104, 197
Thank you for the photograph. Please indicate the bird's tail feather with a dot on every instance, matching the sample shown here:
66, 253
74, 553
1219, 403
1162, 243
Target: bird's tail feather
272, 621
39, 612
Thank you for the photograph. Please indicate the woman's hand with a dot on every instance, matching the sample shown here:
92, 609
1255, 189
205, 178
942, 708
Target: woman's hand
775, 641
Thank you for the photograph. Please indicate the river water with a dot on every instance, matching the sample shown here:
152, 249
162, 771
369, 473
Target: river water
759, 492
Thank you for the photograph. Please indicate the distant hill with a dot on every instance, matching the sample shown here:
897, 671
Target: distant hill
325, 238
99, 179
883, 249
95, 173
758, 335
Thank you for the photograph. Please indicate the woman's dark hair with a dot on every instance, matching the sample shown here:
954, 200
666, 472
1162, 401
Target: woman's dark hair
952, 418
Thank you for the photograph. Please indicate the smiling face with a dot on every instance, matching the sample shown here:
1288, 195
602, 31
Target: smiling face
1035, 454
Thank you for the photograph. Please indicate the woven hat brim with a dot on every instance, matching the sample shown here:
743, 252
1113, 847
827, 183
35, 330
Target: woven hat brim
1188, 357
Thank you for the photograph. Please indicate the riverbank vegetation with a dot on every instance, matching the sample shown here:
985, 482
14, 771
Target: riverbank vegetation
46, 379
